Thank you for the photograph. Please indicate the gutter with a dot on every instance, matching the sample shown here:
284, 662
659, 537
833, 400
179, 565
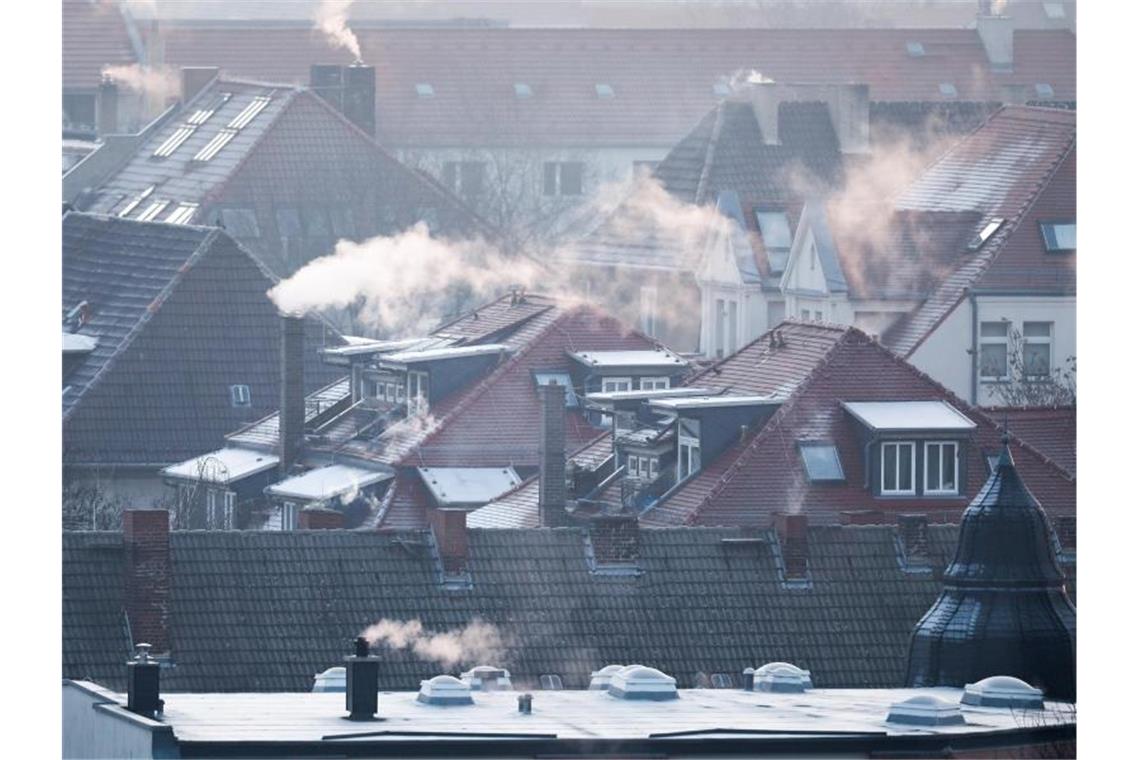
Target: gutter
973, 346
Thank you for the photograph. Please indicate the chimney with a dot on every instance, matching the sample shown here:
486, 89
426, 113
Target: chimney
862, 517
361, 682
552, 455
449, 527
996, 33
107, 108
146, 544
915, 539
848, 105
143, 683
792, 532
291, 417
195, 79
349, 89
319, 518
615, 539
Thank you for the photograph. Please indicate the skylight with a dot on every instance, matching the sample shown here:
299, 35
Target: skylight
522, 90
202, 115
604, 90
986, 233
173, 142
256, 106
425, 90
134, 204
1044, 90
821, 462
774, 229
915, 49
1059, 236
948, 90
153, 210
211, 148
182, 214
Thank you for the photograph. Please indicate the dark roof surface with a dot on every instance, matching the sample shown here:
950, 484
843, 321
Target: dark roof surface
94, 35
1050, 430
258, 611
180, 315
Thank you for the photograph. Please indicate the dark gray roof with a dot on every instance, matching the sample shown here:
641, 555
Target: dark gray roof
815, 217
265, 611
180, 314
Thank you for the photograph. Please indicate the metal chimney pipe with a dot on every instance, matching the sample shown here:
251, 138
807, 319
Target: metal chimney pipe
361, 682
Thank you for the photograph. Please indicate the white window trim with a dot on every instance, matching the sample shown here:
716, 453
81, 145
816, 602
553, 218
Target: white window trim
289, 512
631, 465
686, 442
653, 383
926, 489
615, 381
1037, 340
883, 468
417, 402
993, 341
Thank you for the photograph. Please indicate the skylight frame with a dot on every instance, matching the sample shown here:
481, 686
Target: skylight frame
1050, 239
781, 220
249, 113
182, 213
1044, 90
831, 472
987, 232
424, 90
948, 89
175, 141
153, 210
135, 203
202, 115
523, 91
212, 148
604, 91
915, 49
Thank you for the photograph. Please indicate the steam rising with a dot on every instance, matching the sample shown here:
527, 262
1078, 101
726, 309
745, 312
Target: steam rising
331, 17
477, 642
158, 83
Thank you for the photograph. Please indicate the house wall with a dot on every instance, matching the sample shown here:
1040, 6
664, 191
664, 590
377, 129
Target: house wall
95, 726
1061, 311
677, 310
944, 355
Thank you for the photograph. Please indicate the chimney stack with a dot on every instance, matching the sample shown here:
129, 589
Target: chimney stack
449, 527
848, 105
915, 539
996, 33
291, 417
143, 684
361, 682
792, 532
146, 544
349, 89
318, 518
107, 108
552, 455
195, 79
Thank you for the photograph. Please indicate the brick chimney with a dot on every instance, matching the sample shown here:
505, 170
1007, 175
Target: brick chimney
996, 33
792, 532
552, 455
615, 539
107, 108
291, 417
146, 544
195, 79
318, 518
915, 539
848, 105
862, 517
349, 89
449, 527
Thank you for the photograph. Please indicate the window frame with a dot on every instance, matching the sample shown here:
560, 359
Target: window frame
617, 380
939, 491
236, 392
883, 491
802, 445
654, 383
289, 513
1044, 223
554, 179
686, 446
984, 340
1036, 340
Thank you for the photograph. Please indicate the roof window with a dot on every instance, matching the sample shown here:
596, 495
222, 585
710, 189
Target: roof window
182, 214
522, 90
153, 210
776, 234
202, 115
331, 680
915, 49
173, 142
604, 91
1054, 10
1060, 237
721, 88
821, 462
948, 90
425, 90
239, 395
487, 678
600, 679
987, 232
1003, 691
551, 682
1044, 90
256, 106
134, 203
211, 149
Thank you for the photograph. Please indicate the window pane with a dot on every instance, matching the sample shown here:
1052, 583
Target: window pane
993, 360
994, 329
631, 465
571, 183
1037, 361
821, 461
1038, 329
933, 467
906, 482
949, 467
890, 467
695, 461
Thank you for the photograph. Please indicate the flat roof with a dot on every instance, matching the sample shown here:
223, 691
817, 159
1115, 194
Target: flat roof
909, 415
361, 346
613, 396
620, 359
73, 343
436, 354
579, 715
223, 466
714, 402
468, 486
328, 482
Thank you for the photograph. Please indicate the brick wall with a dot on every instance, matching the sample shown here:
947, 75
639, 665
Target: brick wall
449, 526
616, 540
792, 531
146, 541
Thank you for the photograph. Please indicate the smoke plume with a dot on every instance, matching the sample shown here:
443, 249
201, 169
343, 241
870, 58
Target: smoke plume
331, 18
159, 83
477, 642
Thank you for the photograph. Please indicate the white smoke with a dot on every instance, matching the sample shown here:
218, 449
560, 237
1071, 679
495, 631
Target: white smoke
477, 642
331, 18
159, 83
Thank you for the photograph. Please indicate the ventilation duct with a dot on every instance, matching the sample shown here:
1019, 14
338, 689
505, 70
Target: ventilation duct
444, 690
925, 710
641, 682
1003, 691
781, 677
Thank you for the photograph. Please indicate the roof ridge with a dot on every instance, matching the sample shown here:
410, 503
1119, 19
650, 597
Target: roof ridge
454, 320
833, 326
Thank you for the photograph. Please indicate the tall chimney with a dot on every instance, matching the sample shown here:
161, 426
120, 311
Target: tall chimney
146, 544
195, 79
107, 108
792, 532
996, 33
291, 417
360, 96
552, 455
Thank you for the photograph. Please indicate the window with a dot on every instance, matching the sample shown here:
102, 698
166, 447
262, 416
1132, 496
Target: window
649, 310
79, 111
220, 509
776, 234
173, 142
417, 392
212, 148
631, 466
1060, 237
722, 681
897, 469
732, 320
821, 462
550, 682
1054, 10
604, 91
1037, 349
993, 351
153, 210
941, 468
136, 201
239, 395
523, 90
616, 384
228, 517
464, 178
563, 379
562, 177
425, 90
915, 49
242, 120
688, 448
805, 315
991, 462
643, 467
653, 383
819, 316
719, 334
1044, 90
653, 468
987, 231
948, 90
289, 515
241, 222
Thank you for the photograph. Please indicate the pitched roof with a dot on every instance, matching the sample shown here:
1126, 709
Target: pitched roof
94, 35
1050, 430
752, 480
179, 314
663, 79
700, 604
998, 172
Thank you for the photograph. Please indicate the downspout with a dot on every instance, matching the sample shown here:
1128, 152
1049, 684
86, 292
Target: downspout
973, 347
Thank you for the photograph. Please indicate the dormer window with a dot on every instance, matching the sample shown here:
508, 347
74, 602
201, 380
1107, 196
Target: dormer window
688, 448
897, 468
616, 384
239, 396
654, 384
941, 468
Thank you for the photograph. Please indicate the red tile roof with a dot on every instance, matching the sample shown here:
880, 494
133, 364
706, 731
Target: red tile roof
1051, 430
663, 79
94, 36
749, 483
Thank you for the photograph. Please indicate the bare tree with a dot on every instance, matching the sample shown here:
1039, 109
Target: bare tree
90, 506
1032, 384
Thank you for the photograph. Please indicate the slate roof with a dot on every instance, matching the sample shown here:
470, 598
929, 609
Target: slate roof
662, 78
258, 611
180, 314
1001, 171
94, 35
1050, 430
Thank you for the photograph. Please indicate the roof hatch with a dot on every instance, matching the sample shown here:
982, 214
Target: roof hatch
925, 710
1003, 691
781, 677
641, 682
444, 690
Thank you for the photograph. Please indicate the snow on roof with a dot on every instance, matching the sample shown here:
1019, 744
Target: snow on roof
714, 402
908, 415
613, 359
357, 346
436, 354
223, 466
614, 396
74, 343
468, 486
329, 482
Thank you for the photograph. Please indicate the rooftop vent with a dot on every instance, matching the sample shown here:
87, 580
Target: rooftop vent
600, 679
1003, 691
487, 678
142, 683
1044, 90
641, 682
925, 710
604, 90
444, 690
781, 677
915, 49
523, 90
331, 680
948, 90
425, 90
